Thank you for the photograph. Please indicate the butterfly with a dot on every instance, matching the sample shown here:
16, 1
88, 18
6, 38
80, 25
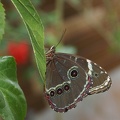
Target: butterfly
70, 78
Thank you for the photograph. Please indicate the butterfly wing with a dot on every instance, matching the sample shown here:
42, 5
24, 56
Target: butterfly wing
101, 80
66, 83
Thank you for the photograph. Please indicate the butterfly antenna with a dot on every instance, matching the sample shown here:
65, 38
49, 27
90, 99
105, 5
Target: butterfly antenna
61, 37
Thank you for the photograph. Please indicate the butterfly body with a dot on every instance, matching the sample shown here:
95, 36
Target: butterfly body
70, 78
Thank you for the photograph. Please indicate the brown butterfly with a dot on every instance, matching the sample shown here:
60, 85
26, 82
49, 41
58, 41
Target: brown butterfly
70, 78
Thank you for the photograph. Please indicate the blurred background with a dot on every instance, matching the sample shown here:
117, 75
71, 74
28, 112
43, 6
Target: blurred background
93, 31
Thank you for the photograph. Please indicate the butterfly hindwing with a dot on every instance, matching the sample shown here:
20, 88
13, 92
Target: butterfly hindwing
66, 83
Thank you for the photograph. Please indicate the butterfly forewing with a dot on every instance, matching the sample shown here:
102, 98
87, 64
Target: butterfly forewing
66, 83
101, 80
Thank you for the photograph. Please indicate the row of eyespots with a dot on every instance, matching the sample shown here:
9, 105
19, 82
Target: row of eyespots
59, 90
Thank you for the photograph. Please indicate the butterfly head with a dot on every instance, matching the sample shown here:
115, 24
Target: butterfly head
50, 54
52, 48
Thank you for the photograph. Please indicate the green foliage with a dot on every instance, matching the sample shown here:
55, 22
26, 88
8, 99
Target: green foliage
2, 21
35, 30
116, 38
48, 18
12, 100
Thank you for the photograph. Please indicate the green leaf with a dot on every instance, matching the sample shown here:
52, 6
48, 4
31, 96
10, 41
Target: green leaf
12, 100
2, 20
35, 29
